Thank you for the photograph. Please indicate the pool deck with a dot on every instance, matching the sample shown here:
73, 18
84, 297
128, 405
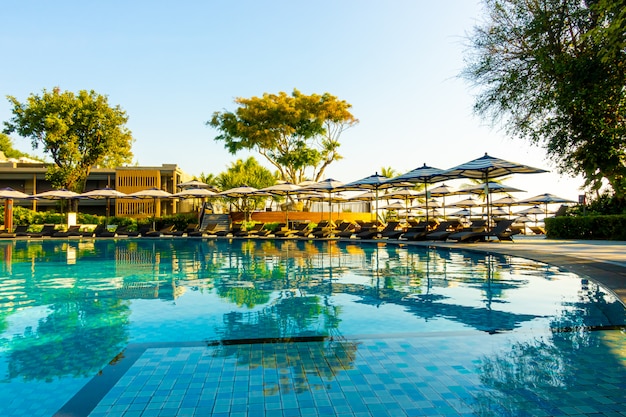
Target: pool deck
600, 260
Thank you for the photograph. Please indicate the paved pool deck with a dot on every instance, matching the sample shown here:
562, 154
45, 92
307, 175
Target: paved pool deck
601, 260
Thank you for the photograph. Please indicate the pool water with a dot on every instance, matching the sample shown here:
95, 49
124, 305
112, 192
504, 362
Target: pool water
298, 328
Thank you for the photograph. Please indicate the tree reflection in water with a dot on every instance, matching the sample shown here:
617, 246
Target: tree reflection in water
538, 373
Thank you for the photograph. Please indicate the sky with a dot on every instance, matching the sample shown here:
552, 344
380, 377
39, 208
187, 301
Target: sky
170, 65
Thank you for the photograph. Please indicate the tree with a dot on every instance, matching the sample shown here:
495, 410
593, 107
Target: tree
78, 131
388, 172
297, 134
554, 72
248, 172
6, 147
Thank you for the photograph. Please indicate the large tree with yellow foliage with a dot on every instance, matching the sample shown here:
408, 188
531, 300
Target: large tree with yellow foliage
298, 134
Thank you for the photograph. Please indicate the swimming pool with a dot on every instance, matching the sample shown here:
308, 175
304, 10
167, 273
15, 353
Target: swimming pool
299, 328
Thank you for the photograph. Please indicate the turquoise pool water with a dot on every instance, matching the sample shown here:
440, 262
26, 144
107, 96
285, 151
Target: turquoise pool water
255, 327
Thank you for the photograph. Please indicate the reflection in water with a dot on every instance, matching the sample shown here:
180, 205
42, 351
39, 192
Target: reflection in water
92, 297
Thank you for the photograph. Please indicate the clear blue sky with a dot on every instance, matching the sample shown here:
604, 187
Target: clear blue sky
170, 65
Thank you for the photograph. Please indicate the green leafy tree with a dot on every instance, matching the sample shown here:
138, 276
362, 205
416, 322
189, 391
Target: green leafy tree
297, 134
79, 131
248, 172
6, 147
388, 172
554, 72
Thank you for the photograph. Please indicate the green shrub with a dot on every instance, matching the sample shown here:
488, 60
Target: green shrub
608, 227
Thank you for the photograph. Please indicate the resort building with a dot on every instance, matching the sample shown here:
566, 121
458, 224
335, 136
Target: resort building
29, 177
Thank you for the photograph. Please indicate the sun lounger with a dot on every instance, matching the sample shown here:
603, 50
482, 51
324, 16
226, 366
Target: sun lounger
252, 231
538, 230
444, 230
416, 231
469, 233
233, 230
47, 230
72, 231
346, 229
323, 229
123, 231
209, 230
285, 231
18, 231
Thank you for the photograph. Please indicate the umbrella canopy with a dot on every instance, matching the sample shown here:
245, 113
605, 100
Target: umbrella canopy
151, 193
103, 194
405, 194
499, 211
546, 199
193, 184
423, 175
194, 193
373, 182
467, 203
488, 167
505, 201
244, 192
442, 191
367, 196
492, 187
461, 213
283, 189
328, 185
531, 210
238, 192
11, 194
60, 194
397, 205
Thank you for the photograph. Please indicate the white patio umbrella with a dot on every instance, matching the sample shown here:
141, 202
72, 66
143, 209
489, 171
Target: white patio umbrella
423, 175
507, 201
405, 194
193, 184
194, 193
243, 192
396, 205
60, 194
487, 168
106, 194
283, 189
546, 199
374, 183
461, 213
154, 194
491, 187
442, 191
467, 203
319, 197
8, 195
329, 186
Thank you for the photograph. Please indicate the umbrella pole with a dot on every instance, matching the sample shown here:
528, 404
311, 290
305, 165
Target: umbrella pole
426, 194
154, 214
376, 213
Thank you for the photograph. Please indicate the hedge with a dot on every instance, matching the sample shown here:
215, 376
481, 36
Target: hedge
607, 227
